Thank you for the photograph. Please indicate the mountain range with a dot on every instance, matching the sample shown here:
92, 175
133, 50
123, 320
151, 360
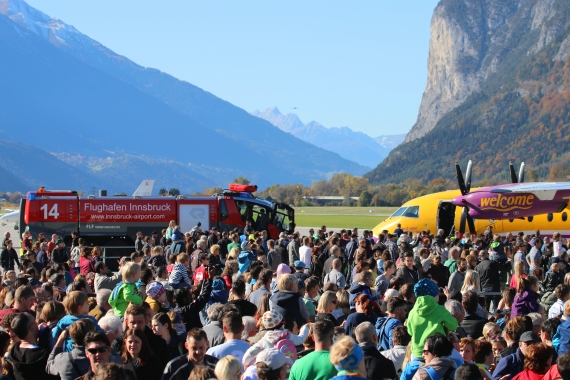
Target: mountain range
498, 90
352, 145
71, 96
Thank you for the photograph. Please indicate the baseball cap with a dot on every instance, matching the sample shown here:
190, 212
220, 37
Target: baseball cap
273, 358
244, 244
155, 290
154, 232
299, 264
58, 241
529, 336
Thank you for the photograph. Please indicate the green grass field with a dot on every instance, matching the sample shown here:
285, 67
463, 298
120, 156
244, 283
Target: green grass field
341, 217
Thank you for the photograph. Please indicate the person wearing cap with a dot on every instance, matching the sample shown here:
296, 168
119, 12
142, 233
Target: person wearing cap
271, 364
427, 316
156, 297
300, 270
245, 257
513, 364
273, 330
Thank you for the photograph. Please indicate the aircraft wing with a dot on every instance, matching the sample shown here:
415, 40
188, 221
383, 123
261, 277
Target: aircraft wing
545, 191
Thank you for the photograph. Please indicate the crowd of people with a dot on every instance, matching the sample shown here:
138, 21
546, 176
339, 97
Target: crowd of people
237, 305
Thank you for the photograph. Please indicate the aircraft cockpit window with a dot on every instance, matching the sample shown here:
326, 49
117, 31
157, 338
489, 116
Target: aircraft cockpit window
399, 211
412, 212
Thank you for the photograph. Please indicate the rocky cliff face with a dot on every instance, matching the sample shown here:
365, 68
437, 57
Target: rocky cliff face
469, 41
498, 91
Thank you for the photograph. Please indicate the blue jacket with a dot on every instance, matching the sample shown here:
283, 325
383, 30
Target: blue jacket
64, 323
511, 365
564, 334
385, 332
411, 369
356, 289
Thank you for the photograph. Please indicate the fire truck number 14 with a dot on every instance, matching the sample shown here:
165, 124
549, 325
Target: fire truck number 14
53, 212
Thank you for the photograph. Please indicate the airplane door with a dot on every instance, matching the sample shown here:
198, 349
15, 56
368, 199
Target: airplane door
445, 217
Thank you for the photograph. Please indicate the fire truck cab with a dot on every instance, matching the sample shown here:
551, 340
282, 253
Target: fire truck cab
101, 220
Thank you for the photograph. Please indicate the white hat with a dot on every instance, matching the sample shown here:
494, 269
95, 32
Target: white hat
273, 358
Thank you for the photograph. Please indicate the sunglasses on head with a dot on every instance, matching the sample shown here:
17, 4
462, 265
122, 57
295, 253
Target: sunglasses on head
99, 350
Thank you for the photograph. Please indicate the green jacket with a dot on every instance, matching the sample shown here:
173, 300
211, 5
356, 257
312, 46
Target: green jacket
427, 318
451, 264
123, 294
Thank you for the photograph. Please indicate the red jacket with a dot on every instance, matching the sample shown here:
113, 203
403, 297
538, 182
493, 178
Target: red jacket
528, 375
86, 266
553, 373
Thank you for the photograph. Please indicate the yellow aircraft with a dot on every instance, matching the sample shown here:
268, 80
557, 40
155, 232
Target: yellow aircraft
435, 211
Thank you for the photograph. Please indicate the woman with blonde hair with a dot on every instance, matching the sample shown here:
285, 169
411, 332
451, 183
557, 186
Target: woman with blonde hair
519, 273
471, 282
327, 304
228, 368
491, 330
171, 226
234, 253
342, 307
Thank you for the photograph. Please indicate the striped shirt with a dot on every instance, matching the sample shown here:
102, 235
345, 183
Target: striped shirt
179, 274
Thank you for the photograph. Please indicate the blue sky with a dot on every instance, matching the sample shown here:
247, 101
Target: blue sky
357, 64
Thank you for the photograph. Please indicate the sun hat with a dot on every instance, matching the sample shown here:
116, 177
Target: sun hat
271, 319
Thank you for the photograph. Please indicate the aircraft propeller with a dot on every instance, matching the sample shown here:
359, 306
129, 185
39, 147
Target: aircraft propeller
465, 188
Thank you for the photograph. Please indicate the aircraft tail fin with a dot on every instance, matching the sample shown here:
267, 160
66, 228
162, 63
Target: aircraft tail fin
145, 188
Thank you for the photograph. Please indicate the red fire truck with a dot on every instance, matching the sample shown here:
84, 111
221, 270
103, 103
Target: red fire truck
115, 220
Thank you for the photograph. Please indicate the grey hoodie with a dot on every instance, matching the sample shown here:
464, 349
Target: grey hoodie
59, 362
441, 365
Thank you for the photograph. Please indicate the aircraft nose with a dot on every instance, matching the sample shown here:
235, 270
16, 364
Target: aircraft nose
458, 201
